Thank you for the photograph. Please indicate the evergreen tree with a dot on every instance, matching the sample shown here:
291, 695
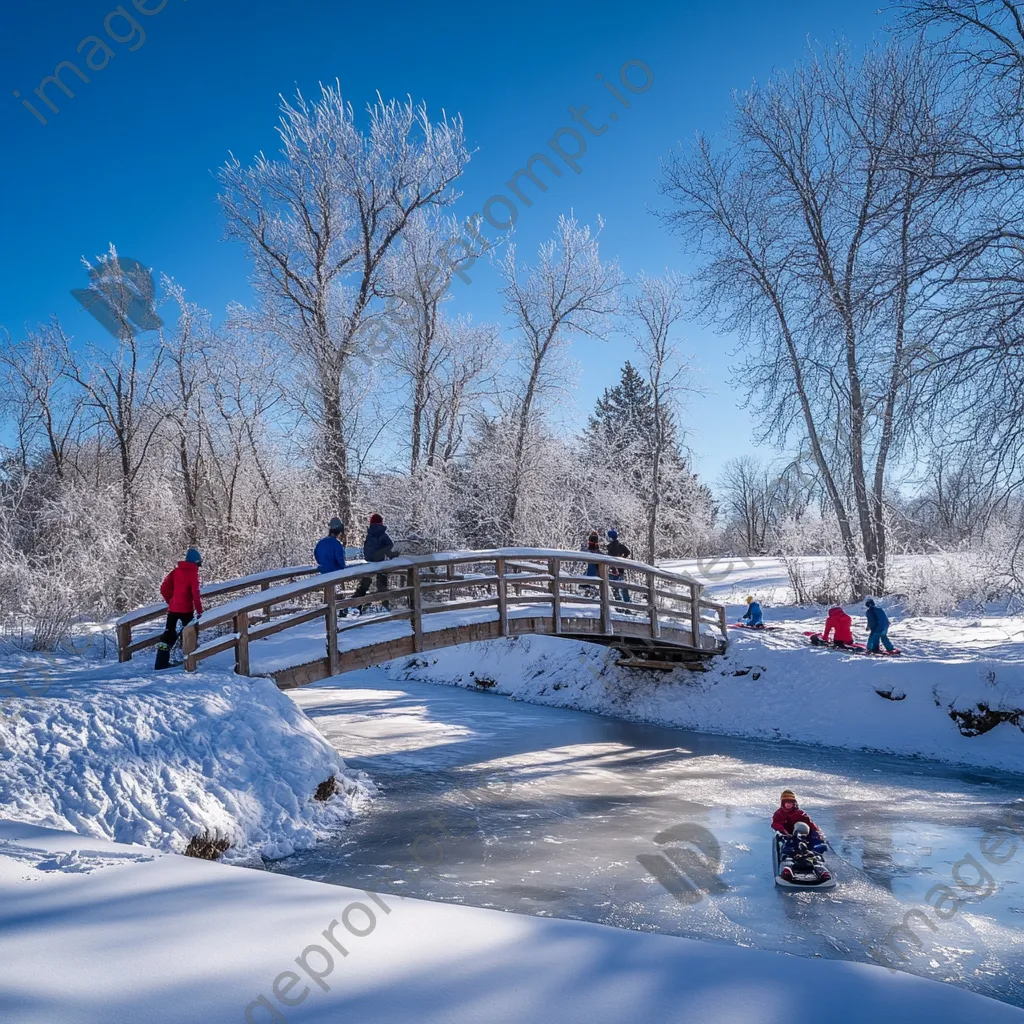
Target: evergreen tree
621, 436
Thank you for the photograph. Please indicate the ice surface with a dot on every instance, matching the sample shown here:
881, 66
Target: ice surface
551, 812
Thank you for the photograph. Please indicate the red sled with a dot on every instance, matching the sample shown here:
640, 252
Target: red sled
817, 640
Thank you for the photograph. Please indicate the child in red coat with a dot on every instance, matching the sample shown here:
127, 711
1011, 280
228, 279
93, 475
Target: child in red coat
788, 814
180, 589
838, 627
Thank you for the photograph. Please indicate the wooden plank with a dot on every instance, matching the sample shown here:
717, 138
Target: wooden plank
499, 566
141, 644
652, 606
124, 641
555, 565
605, 592
331, 622
288, 622
459, 606
695, 590
212, 647
242, 643
417, 610
189, 641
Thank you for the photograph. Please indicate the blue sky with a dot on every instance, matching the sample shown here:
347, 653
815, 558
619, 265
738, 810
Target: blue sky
131, 159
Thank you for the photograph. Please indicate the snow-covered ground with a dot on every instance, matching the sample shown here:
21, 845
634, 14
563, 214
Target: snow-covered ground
559, 813
774, 685
96, 933
117, 752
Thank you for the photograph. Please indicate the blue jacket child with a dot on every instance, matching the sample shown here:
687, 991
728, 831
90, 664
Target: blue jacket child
329, 551
753, 613
878, 627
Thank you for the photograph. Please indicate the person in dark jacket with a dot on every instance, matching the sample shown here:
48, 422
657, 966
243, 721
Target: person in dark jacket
618, 550
593, 546
329, 552
377, 547
180, 589
878, 627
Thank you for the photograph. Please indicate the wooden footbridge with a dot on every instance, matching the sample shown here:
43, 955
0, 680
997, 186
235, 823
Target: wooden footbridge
310, 627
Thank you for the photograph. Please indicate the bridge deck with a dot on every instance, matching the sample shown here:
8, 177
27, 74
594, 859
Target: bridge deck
304, 645
289, 627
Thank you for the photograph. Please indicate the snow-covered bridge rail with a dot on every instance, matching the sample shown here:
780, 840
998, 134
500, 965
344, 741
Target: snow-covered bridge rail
652, 615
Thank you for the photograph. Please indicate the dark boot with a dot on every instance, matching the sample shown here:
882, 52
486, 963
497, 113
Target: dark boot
163, 656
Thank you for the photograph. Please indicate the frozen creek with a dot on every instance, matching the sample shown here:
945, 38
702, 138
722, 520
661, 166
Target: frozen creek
537, 810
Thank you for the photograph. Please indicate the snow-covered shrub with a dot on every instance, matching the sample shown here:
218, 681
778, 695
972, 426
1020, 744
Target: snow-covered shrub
834, 586
938, 583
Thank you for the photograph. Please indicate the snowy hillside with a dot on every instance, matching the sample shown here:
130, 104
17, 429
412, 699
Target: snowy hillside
955, 694
115, 752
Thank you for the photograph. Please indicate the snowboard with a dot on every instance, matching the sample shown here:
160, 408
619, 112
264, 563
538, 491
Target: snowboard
801, 880
756, 629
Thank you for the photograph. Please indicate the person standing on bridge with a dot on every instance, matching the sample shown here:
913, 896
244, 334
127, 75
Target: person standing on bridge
377, 547
618, 550
329, 552
180, 589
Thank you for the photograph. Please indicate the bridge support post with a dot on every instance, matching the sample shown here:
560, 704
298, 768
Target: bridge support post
331, 617
606, 607
242, 644
416, 605
124, 642
652, 606
499, 571
189, 643
695, 589
555, 568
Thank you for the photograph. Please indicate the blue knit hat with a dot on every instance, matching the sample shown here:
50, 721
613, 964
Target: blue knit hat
870, 602
192, 555
613, 534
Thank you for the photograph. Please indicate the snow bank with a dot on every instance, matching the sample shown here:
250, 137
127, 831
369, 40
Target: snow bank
167, 939
126, 755
948, 701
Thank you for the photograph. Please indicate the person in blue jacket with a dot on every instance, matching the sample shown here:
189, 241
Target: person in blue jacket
329, 552
753, 614
377, 547
878, 627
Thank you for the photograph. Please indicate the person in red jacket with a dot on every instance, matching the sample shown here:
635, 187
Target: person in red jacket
784, 819
838, 628
789, 814
180, 589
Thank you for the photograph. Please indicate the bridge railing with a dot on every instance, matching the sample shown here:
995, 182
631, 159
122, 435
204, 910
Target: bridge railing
624, 597
213, 594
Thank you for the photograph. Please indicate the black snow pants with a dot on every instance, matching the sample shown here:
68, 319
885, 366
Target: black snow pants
170, 636
364, 588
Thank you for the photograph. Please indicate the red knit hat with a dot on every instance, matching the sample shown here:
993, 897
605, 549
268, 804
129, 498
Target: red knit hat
376, 518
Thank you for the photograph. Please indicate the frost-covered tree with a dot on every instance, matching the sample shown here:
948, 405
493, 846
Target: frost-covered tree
820, 218
319, 223
569, 292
